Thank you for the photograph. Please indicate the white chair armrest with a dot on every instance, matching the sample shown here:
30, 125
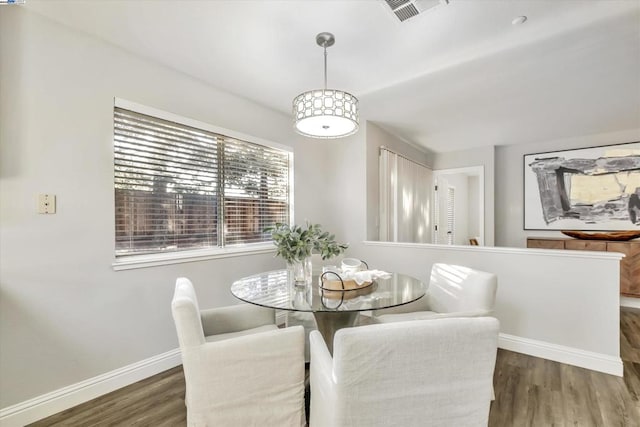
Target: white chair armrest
235, 318
322, 384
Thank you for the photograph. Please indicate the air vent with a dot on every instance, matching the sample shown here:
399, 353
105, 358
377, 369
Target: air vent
394, 4
405, 9
406, 12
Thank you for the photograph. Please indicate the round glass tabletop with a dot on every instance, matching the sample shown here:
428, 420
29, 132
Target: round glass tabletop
275, 289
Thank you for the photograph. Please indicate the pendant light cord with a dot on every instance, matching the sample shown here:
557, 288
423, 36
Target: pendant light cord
325, 66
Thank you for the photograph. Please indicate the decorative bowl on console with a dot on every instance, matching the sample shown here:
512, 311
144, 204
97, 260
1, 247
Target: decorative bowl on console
603, 235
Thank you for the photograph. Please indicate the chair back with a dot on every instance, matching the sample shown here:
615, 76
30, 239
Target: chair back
186, 314
414, 373
454, 288
252, 379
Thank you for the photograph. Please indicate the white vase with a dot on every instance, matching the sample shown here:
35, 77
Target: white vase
301, 271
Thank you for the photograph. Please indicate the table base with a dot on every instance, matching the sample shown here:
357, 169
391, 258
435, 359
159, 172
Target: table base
329, 322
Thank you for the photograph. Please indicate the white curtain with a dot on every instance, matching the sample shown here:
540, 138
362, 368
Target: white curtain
405, 192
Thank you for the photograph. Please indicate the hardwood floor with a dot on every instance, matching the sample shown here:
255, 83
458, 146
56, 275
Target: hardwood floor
529, 392
155, 401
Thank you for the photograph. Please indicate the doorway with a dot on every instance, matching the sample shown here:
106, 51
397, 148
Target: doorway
458, 214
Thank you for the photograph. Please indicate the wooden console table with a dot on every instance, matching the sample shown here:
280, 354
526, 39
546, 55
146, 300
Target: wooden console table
629, 265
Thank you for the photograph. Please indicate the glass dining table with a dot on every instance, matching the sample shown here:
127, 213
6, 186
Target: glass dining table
332, 309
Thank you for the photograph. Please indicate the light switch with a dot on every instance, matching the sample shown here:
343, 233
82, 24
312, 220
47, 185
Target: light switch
46, 203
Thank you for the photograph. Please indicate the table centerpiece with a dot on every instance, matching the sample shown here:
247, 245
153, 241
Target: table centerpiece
295, 244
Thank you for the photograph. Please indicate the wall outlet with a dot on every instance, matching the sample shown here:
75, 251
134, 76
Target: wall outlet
46, 203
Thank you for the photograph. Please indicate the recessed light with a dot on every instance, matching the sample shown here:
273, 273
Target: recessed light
519, 20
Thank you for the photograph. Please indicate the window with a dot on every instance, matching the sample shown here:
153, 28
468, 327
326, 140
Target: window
180, 187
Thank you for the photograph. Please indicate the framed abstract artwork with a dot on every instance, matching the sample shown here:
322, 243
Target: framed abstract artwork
594, 188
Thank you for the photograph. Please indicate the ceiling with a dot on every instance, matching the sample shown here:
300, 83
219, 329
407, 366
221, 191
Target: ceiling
458, 76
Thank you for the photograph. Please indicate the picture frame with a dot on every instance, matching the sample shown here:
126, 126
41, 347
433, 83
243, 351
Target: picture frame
586, 189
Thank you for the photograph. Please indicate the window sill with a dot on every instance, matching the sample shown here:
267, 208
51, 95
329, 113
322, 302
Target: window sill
154, 260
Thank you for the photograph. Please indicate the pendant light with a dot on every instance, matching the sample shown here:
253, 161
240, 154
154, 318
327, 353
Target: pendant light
325, 113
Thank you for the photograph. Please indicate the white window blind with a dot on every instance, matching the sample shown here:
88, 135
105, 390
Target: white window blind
451, 215
444, 212
256, 190
179, 188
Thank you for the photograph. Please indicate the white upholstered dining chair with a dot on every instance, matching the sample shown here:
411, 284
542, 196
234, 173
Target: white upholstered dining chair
454, 291
414, 373
239, 368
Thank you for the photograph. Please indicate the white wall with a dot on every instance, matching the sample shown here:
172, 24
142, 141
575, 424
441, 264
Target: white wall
343, 181
561, 306
65, 315
509, 201
484, 156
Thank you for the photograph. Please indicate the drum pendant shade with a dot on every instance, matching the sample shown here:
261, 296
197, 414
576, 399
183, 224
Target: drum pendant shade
325, 113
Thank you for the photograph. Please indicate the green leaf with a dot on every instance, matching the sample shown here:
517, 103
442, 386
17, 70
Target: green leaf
297, 243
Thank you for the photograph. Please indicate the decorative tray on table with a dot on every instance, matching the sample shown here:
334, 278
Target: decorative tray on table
333, 286
342, 285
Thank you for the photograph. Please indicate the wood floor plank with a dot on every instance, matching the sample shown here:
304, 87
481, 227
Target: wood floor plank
579, 397
616, 405
630, 335
508, 390
529, 392
632, 381
541, 407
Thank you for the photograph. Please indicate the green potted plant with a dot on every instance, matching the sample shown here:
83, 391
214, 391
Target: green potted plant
295, 244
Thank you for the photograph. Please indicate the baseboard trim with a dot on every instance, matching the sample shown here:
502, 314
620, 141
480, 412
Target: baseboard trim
629, 302
67, 397
559, 353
